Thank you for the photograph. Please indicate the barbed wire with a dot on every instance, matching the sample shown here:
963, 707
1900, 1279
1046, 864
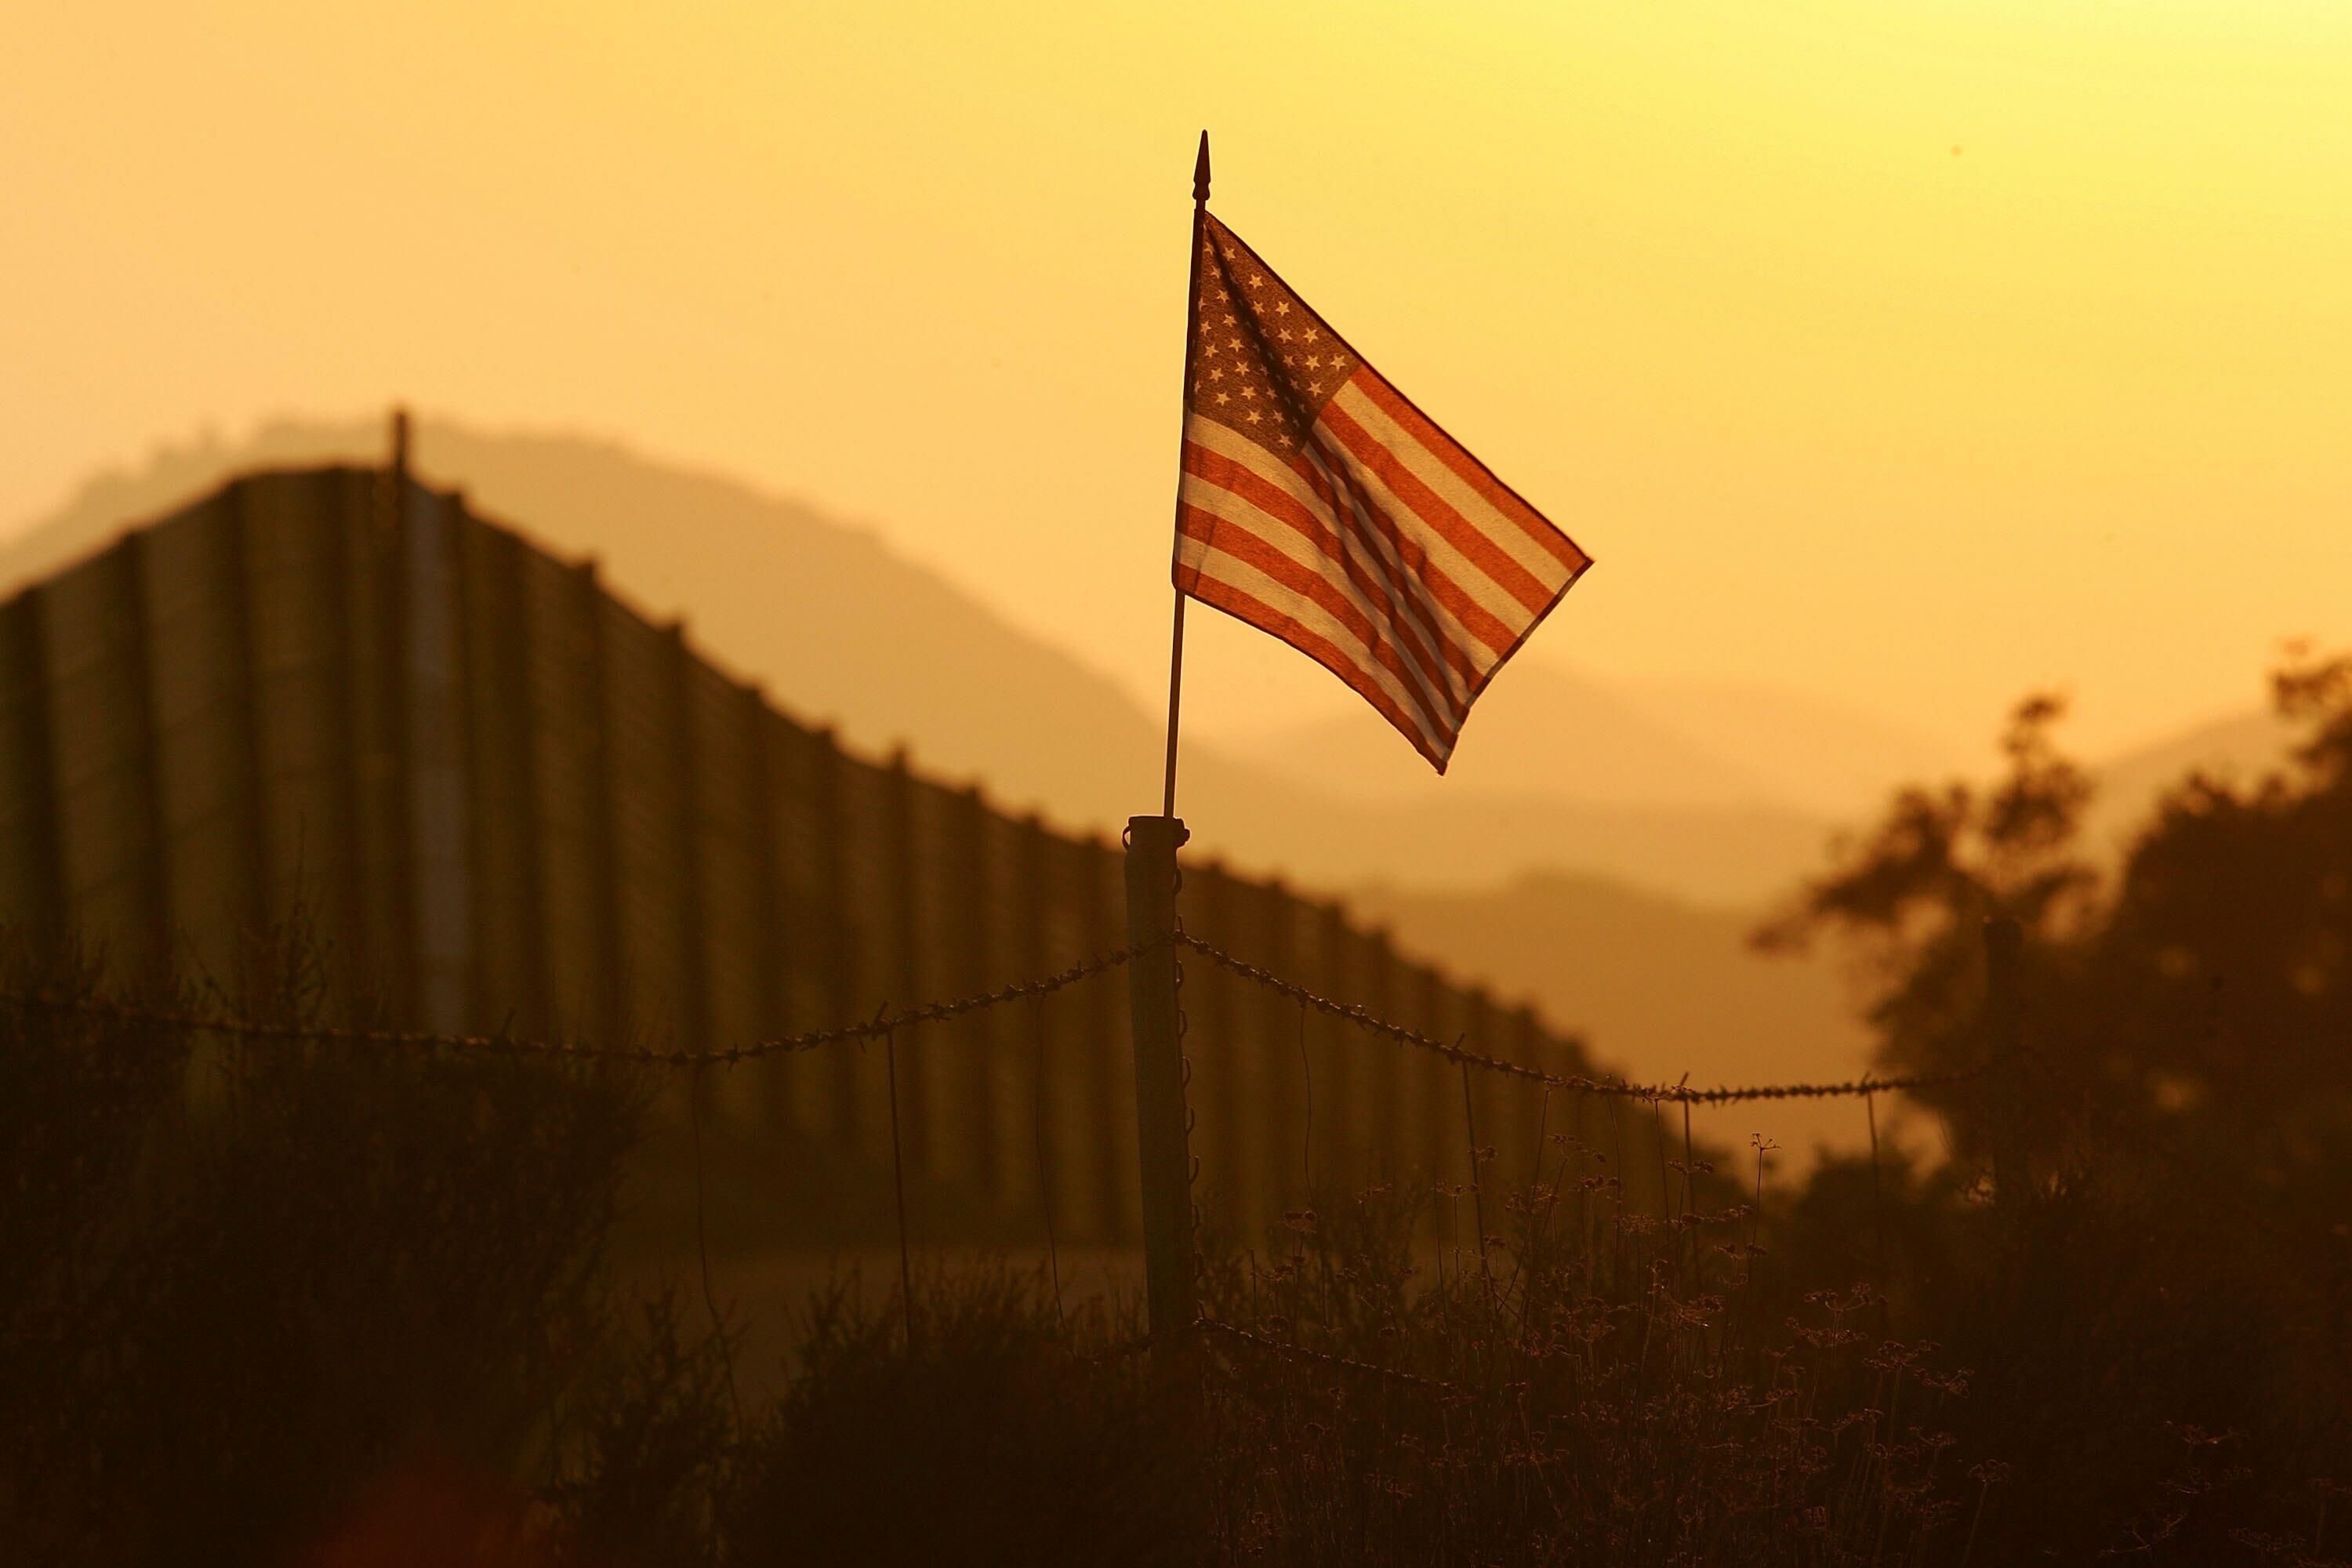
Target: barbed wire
1455, 1051
889, 1018
878, 1027
1321, 1358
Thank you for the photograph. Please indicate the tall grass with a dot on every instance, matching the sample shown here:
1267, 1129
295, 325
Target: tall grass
239, 1282
1593, 1384
281, 1304
2054, 1379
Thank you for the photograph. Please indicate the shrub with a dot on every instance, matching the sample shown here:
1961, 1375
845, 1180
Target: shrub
294, 1268
985, 1431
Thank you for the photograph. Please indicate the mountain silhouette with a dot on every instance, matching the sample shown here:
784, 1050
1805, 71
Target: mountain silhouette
1813, 754
844, 630
1539, 731
1545, 731
2240, 748
1601, 848
1719, 795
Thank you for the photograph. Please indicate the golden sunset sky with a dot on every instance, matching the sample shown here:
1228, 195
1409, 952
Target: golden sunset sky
1904, 353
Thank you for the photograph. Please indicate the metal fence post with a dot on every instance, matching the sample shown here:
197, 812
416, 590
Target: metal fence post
1160, 1144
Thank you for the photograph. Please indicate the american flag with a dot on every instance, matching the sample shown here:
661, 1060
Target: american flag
1320, 505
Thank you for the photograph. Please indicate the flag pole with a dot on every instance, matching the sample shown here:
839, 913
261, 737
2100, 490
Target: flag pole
1163, 1161
1191, 343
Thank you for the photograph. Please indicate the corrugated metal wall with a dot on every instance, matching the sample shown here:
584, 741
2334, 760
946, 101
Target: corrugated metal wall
507, 800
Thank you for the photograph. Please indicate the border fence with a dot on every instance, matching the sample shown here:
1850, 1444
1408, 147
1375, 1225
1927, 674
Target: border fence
535, 822
514, 808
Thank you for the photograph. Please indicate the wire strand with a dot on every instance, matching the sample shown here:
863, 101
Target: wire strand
1457, 1052
939, 1012
502, 1044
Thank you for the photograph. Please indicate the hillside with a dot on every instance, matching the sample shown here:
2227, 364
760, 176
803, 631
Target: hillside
1540, 732
1546, 731
2240, 749
1826, 759
844, 630
1599, 847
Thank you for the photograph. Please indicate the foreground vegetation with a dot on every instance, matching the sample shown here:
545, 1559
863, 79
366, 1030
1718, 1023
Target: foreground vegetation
282, 1304
357, 1312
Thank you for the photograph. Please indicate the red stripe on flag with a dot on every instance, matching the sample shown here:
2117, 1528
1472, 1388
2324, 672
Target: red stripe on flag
1471, 471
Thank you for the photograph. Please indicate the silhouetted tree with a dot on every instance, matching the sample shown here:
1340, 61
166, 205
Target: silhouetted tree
2202, 994
2158, 1311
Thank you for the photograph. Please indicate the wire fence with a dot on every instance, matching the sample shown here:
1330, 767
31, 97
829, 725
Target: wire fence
888, 1021
1455, 1051
881, 1027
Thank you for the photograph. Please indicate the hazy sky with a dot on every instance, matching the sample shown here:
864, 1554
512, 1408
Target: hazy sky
1907, 354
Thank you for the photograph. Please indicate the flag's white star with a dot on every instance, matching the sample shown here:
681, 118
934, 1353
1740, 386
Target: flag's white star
1224, 397
1282, 307
1253, 415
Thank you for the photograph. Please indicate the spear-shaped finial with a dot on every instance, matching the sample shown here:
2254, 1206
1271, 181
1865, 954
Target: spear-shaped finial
1200, 172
